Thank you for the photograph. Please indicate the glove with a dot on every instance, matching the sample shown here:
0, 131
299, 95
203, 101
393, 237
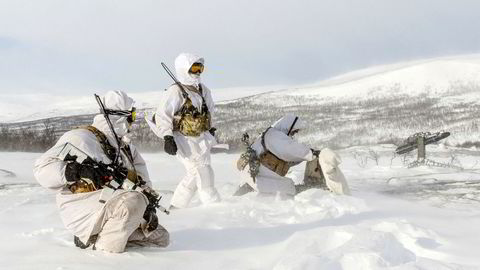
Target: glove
75, 171
150, 216
169, 145
212, 131
316, 153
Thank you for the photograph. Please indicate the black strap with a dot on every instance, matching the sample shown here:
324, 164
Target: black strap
204, 108
265, 146
108, 149
263, 139
293, 124
204, 103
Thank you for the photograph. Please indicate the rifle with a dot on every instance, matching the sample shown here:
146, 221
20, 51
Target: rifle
152, 196
71, 153
169, 72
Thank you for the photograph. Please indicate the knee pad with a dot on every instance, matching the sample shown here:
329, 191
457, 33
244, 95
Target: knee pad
133, 203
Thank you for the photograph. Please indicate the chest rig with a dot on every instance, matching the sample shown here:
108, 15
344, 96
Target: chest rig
271, 161
189, 120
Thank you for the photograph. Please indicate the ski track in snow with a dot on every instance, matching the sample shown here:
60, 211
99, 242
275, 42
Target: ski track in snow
397, 218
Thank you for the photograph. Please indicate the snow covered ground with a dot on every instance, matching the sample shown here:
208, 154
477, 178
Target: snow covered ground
397, 218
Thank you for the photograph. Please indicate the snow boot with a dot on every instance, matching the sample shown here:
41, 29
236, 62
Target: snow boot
81, 245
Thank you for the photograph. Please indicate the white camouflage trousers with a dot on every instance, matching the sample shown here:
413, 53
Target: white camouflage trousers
121, 222
199, 177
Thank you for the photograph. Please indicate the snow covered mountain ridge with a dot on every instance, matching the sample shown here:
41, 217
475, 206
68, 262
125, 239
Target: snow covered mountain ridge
438, 75
383, 104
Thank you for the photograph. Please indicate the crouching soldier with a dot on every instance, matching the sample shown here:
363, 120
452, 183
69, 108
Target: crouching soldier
270, 157
104, 191
183, 119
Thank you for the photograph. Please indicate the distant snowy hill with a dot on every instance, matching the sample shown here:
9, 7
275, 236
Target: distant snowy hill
382, 104
439, 76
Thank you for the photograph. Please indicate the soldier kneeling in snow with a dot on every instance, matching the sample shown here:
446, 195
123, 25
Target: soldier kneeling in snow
89, 172
271, 155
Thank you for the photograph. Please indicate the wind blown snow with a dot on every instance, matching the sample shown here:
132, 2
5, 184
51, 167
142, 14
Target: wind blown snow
397, 218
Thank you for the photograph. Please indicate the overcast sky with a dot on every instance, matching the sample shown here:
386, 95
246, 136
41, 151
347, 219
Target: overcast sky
73, 47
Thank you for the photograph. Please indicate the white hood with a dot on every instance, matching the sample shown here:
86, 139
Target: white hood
183, 63
284, 124
114, 100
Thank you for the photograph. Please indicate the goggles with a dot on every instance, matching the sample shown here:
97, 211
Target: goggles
196, 68
131, 115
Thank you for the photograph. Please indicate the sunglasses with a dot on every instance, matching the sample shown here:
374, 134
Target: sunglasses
131, 115
196, 68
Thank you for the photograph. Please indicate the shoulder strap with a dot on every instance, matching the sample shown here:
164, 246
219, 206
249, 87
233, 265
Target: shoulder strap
110, 151
263, 139
182, 90
107, 148
265, 146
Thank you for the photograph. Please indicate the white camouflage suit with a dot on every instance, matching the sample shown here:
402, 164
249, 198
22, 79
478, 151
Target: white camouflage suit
193, 152
286, 148
116, 221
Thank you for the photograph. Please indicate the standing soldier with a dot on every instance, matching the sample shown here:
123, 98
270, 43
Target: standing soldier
184, 120
88, 167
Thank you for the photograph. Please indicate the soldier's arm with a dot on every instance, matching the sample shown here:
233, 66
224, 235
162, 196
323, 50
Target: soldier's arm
49, 170
287, 148
170, 103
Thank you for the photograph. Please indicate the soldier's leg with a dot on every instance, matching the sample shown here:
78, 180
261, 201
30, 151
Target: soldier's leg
334, 178
206, 184
185, 190
123, 215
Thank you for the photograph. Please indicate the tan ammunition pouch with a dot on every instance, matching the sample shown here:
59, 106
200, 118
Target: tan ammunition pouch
189, 120
191, 123
82, 186
273, 163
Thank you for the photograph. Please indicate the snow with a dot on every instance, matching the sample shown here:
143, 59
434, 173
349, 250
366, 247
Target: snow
411, 77
397, 218
435, 77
